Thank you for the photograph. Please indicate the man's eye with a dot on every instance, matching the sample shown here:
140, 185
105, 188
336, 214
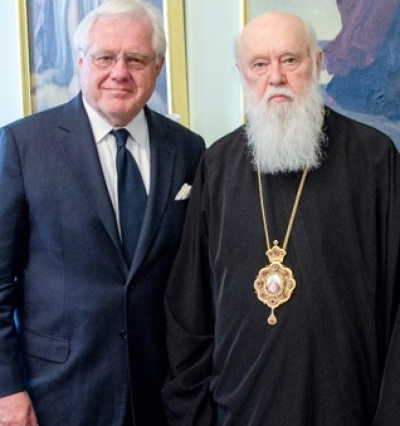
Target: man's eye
134, 60
104, 58
291, 63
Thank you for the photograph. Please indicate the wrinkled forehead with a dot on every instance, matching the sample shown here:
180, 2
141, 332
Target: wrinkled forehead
273, 33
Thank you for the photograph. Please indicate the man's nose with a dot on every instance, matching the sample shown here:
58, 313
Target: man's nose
276, 75
120, 69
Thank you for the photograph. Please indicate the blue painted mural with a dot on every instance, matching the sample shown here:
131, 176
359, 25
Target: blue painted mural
364, 62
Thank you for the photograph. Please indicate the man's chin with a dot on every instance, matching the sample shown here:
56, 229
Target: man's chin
119, 117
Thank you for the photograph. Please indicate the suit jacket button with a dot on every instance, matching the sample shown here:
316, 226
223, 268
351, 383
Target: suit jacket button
122, 333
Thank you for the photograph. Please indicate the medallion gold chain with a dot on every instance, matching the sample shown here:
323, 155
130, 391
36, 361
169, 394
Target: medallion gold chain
294, 210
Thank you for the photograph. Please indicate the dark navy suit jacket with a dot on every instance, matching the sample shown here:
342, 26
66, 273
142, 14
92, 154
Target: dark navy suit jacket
88, 327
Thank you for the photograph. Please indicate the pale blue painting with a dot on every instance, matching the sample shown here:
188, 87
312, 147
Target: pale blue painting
53, 74
361, 44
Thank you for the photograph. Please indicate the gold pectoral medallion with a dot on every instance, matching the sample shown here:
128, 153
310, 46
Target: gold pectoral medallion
274, 283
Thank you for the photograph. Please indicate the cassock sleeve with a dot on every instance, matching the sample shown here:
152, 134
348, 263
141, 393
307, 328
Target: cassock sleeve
388, 412
190, 319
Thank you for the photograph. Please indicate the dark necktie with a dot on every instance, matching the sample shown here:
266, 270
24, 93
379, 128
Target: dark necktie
132, 196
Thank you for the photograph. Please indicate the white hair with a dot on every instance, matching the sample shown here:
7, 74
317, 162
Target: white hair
117, 8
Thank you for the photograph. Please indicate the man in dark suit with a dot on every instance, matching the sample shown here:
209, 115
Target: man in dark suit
82, 326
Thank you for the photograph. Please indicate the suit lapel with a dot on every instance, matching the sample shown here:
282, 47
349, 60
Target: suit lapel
79, 149
162, 157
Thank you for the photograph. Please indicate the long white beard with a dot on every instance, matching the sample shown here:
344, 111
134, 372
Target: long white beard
286, 136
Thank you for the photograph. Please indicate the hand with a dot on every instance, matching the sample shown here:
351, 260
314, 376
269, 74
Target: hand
17, 410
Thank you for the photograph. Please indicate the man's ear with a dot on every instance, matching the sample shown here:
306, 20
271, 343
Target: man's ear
160, 63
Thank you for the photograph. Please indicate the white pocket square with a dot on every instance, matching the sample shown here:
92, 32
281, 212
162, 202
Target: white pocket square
184, 192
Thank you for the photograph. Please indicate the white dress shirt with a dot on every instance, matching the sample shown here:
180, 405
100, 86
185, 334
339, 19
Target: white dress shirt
138, 144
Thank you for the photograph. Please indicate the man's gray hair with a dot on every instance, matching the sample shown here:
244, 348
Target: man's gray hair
111, 9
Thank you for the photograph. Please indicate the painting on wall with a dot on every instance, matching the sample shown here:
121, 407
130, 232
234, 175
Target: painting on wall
360, 40
51, 76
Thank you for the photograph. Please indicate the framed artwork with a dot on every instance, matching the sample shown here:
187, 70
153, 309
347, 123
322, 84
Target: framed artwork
48, 65
360, 40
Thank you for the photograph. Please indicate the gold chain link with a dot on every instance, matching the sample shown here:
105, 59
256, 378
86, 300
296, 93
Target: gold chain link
294, 210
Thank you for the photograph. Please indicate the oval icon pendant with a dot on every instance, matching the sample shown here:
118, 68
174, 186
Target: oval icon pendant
274, 283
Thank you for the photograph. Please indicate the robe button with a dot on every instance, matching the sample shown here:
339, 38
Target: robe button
122, 333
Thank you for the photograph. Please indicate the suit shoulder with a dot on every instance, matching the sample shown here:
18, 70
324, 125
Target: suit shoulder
37, 121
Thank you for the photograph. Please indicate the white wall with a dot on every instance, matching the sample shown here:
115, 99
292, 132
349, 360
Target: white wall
213, 81
10, 74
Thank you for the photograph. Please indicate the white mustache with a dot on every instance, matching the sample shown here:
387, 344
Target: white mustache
278, 91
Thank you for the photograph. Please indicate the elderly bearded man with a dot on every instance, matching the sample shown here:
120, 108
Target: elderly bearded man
282, 302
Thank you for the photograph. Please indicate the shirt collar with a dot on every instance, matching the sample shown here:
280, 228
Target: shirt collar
101, 127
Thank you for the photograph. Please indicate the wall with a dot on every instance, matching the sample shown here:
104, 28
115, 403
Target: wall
213, 80
10, 76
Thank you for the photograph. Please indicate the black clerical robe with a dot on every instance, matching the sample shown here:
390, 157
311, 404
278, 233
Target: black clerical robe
325, 362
